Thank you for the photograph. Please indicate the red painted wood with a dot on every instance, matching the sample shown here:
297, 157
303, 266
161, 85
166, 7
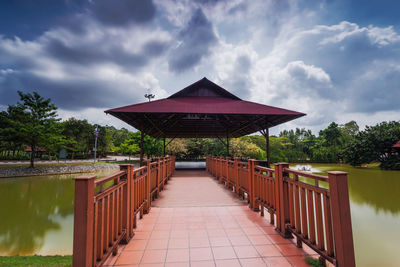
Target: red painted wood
83, 222
342, 231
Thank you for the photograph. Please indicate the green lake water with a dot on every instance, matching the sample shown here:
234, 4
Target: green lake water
36, 214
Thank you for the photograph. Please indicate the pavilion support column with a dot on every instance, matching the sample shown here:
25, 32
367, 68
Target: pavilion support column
267, 147
141, 147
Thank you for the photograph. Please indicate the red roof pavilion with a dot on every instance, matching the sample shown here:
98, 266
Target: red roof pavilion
203, 109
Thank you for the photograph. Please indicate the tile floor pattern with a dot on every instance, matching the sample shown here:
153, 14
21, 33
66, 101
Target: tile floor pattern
207, 236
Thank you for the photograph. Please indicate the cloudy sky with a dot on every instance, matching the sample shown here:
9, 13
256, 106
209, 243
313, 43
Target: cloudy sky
334, 60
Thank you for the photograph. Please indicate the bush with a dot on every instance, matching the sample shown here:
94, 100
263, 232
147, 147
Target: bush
391, 163
15, 157
313, 262
45, 157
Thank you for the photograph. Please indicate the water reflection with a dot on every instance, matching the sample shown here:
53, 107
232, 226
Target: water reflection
375, 205
32, 207
373, 187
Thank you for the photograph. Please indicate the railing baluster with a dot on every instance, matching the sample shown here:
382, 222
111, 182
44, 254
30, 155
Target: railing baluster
297, 208
96, 216
101, 228
291, 206
311, 218
320, 231
304, 212
328, 225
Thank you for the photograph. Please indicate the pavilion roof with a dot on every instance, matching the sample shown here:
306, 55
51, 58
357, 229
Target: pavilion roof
203, 109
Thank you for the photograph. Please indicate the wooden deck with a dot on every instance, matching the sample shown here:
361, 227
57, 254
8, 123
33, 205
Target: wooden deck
198, 222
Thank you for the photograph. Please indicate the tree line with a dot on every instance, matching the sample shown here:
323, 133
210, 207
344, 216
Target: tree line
335, 144
34, 122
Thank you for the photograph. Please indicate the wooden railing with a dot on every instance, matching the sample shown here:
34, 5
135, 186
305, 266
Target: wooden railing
265, 190
106, 209
300, 204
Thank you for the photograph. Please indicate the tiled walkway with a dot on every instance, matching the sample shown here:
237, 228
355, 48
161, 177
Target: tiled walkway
205, 225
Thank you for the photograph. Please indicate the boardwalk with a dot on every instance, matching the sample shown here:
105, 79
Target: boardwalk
197, 222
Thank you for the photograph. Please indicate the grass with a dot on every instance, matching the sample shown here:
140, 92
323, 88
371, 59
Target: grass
38, 164
313, 262
36, 261
61, 164
122, 162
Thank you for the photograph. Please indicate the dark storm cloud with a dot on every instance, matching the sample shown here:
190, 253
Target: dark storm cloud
85, 54
63, 63
68, 94
155, 48
28, 19
196, 40
123, 12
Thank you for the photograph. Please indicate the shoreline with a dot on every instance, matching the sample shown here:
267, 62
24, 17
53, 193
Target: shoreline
54, 170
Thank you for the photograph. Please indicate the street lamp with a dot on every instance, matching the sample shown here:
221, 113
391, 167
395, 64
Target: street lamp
96, 134
149, 96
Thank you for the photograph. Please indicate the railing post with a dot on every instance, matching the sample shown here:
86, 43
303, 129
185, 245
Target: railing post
127, 214
148, 186
249, 184
252, 164
341, 218
219, 160
282, 199
212, 165
83, 221
236, 174
214, 170
165, 170
227, 171
159, 176
221, 168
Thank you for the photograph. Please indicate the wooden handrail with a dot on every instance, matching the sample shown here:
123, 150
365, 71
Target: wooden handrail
108, 178
106, 217
317, 216
307, 174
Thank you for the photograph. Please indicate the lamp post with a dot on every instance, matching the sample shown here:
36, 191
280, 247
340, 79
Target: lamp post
96, 134
149, 96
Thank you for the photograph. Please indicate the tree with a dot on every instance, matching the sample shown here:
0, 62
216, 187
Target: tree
81, 132
104, 141
119, 136
244, 149
34, 121
9, 135
375, 144
128, 147
151, 146
331, 134
178, 148
348, 132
